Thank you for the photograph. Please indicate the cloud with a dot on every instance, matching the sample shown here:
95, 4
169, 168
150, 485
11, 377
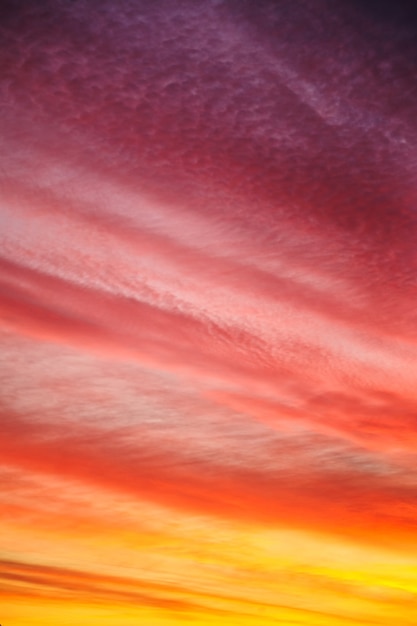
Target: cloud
208, 266
300, 479
66, 584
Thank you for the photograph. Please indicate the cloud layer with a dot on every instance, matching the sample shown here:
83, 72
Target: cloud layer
207, 273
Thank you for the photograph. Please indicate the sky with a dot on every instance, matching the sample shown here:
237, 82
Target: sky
208, 278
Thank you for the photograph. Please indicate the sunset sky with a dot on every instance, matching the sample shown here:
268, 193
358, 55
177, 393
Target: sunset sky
208, 313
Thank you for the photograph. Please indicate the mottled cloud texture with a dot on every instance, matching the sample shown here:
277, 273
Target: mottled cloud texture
208, 325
